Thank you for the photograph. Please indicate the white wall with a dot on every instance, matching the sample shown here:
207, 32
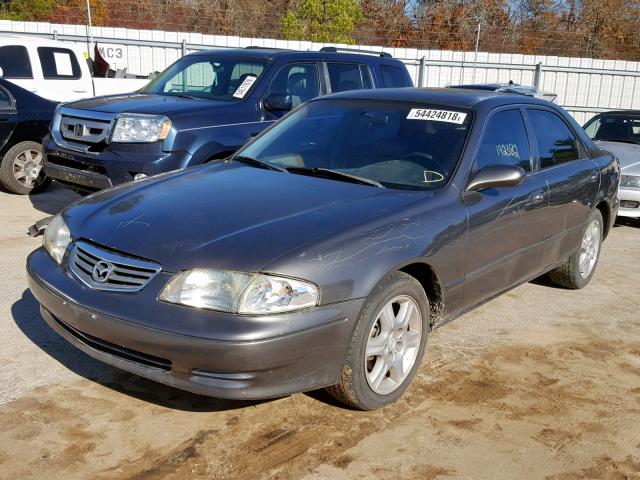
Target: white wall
584, 85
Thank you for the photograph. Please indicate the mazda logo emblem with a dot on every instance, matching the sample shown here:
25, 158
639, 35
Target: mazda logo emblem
101, 271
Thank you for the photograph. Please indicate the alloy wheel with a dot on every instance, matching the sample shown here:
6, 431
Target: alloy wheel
27, 168
589, 248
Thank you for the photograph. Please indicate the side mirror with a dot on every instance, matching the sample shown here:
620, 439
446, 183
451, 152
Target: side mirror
278, 102
495, 176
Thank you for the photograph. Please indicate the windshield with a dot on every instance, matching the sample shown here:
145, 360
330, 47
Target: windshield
396, 144
615, 128
201, 76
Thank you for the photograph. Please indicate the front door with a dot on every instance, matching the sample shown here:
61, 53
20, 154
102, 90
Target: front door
506, 224
573, 183
7, 116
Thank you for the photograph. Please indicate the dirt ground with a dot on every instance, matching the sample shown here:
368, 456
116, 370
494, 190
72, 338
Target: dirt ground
540, 383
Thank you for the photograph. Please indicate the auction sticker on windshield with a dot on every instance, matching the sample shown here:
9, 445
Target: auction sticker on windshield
436, 115
244, 87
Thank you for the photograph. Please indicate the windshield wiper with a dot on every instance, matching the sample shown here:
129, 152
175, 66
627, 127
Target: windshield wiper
258, 163
335, 174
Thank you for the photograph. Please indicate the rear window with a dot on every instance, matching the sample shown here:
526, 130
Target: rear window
14, 61
393, 77
58, 63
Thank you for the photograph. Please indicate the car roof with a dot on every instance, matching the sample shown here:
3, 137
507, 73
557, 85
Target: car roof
273, 53
451, 97
619, 112
12, 39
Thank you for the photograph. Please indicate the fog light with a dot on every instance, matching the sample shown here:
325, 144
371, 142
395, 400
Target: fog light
140, 176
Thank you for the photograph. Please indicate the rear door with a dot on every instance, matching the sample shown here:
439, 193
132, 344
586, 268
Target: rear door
345, 76
7, 116
573, 181
506, 224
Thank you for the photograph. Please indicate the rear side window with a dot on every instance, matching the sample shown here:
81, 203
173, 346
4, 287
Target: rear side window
392, 77
505, 142
58, 63
556, 143
5, 99
349, 76
14, 61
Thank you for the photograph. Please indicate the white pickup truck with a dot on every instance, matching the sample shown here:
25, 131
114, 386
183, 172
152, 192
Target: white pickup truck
55, 70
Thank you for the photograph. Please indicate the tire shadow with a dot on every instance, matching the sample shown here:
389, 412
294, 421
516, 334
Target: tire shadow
26, 314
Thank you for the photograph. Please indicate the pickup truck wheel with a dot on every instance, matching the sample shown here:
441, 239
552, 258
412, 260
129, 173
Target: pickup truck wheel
21, 169
387, 344
578, 270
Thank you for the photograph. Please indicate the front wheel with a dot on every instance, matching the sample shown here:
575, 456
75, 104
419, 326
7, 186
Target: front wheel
387, 345
21, 169
576, 272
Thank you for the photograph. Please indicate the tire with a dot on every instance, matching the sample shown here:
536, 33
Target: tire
365, 384
572, 274
21, 169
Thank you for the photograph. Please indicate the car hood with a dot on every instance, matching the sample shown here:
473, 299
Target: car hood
145, 103
227, 215
627, 153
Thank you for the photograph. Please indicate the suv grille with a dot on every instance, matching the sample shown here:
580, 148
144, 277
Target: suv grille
104, 270
84, 130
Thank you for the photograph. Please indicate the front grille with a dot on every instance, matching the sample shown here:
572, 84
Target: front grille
629, 204
67, 162
84, 130
105, 270
113, 349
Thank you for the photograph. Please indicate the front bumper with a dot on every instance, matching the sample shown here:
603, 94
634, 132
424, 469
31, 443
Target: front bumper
265, 366
92, 172
629, 202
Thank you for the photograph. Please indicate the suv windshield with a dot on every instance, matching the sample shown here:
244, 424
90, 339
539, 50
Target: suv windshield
201, 76
614, 128
395, 144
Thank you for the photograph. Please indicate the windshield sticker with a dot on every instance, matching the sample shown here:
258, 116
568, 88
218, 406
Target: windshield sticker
436, 115
507, 150
244, 87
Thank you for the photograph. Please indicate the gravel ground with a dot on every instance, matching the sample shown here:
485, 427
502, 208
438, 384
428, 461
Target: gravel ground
539, 383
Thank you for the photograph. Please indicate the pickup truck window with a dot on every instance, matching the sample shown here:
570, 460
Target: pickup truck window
14, 60
392, 77
505, 142
224, 79
556, 143
58, 63
300, 80
349, 76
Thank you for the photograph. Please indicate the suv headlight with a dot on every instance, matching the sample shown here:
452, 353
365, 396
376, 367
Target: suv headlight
237, 292
56, 238
632, 181
139, 128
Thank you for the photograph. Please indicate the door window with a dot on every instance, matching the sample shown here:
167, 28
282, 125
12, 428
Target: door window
5, 100
505, 142
14, 61
392, 76
348, 76
556, 143
58, 63
300, 80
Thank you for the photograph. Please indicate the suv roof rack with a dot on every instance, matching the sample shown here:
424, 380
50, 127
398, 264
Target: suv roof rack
256, 47
355, 50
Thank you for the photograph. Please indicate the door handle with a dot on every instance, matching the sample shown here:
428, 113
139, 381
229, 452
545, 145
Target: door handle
536, 197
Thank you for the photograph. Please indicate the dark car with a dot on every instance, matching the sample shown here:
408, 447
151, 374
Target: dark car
325, 250
510, 87
618, 132
24, 122
202, 108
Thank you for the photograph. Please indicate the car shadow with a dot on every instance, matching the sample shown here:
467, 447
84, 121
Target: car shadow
627, 222
53, 199
26, 314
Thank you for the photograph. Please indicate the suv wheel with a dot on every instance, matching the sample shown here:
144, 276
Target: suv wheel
387, 345
21, 169
578, 270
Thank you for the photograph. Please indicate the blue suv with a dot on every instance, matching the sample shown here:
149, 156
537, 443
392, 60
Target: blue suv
202, 108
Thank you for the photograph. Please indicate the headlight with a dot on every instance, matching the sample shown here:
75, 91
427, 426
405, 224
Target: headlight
139, 128
632, 181
237, 292
56, 238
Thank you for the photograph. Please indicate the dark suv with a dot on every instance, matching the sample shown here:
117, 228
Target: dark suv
201, 108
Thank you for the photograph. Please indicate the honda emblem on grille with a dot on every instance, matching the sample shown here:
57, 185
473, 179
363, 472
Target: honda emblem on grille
101, 271
78, 130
